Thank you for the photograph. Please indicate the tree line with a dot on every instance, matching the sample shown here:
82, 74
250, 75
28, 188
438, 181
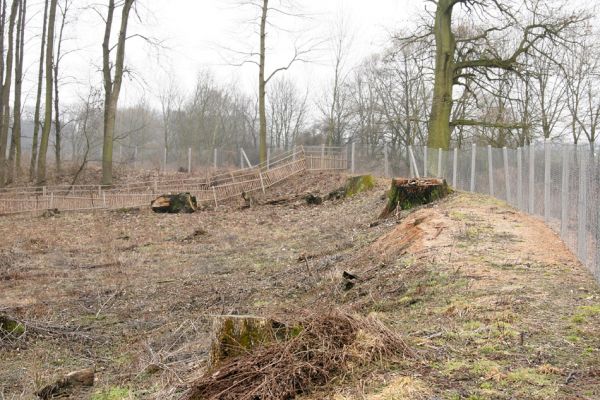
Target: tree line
501, 73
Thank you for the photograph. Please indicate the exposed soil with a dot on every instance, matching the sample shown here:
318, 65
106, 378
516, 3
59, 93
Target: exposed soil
490, 299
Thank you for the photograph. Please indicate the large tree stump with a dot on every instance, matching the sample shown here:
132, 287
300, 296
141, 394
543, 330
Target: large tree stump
408, 193
174, 203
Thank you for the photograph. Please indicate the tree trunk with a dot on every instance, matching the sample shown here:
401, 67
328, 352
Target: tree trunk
5, 121
38, 99
441, 110
15, 147
112, 88
57, 123
41, 165
262, 112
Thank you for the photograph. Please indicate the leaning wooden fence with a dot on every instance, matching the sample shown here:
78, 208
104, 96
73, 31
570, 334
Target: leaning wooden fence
213, 189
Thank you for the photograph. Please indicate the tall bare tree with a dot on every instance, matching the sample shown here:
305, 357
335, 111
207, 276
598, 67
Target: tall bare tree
64, 10
41, 165
6, 87
14, 158
38, 97
112, 83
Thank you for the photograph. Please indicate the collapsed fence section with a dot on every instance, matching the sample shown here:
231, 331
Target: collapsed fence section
212, 189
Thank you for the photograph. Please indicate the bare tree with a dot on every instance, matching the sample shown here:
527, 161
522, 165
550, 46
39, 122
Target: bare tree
38, 98
287, 113
6, 87
112, 83
41, 165
14, 159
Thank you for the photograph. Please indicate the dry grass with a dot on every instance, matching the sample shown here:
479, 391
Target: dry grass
490, 299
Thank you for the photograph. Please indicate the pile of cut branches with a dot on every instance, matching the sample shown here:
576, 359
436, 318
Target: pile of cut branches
328, 346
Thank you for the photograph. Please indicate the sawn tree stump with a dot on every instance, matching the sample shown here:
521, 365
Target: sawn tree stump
174, 203
408, 193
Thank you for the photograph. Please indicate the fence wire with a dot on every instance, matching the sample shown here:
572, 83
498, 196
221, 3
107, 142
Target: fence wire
559, 183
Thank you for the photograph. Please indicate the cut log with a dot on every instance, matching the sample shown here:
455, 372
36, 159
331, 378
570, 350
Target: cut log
235, 335
84, 377
409, 193
175, 203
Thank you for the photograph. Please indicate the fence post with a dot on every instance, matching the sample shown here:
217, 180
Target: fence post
120, 153
215, 157
262, 183
268, 158
439, 169
473, 165
531, 178
135, 156
454, 167
189, 160
165, 161
582, 208
564, 198
323, 156
215, 196
490, 170
413, 161
386, 167
241, 158
425, 151
547, 182
506, 174
44, 191
99, 191
104, 199
353, 157
520, 178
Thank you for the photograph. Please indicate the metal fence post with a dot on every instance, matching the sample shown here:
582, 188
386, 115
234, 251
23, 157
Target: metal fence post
439, 166
241, 158
490, 170
215, 153
531, 178
120, 153
323, 156
268, 158
582, 208
189, 160
413, 161
165, 160
353, 157
473, 166
386, 167
564, 198
520, 178
135, 157
454, 167
506, 174
425, 161
547, 183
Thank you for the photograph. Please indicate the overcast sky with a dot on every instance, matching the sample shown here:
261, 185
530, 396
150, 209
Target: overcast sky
199, 35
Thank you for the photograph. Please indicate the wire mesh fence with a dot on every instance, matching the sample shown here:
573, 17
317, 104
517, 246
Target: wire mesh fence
559, 183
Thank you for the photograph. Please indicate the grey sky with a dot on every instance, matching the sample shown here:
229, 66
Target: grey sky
196, 34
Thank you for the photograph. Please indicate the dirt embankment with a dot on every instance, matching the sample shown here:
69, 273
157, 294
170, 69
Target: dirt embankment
491, 302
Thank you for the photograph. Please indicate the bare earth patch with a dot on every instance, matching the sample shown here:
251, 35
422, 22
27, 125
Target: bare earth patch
491, 300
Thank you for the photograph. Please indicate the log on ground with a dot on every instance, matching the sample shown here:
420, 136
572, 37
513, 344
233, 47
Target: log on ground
409, 193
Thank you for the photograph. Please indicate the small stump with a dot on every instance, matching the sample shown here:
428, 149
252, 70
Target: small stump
408, 193
175, 203
236, 335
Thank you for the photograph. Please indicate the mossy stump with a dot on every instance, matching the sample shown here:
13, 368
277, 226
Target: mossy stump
236, 335
354, 185
409, 193
175, 203
10, 327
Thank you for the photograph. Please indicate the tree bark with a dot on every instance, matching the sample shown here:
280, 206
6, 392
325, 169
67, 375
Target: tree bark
441, 109
5, 121
112, 88
41, 165
38, 98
